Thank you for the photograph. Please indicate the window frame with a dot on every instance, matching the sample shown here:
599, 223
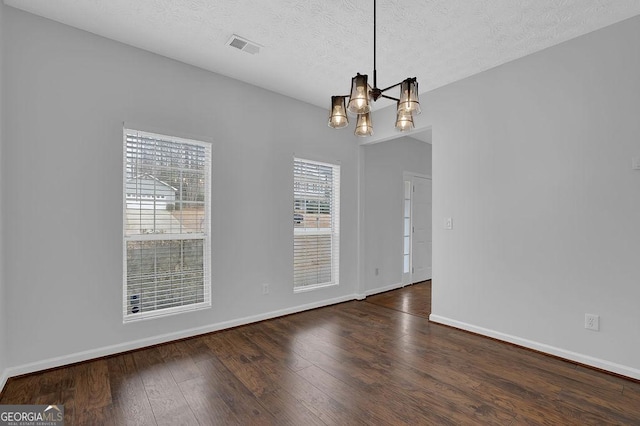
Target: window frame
204, 235
333, 231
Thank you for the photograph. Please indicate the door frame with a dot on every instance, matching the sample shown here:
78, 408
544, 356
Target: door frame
407, 277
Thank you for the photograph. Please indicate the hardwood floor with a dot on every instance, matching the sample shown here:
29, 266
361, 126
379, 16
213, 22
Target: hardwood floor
414, 299
377, 361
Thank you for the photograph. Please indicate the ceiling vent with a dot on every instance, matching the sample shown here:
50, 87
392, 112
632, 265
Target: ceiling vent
243, 44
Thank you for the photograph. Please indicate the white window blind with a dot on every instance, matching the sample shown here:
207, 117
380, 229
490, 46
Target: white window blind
167, 247
316, 224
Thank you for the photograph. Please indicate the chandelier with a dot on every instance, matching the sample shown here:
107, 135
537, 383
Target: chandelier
362, 94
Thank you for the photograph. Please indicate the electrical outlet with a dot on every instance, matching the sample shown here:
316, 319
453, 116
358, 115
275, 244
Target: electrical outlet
592, 322
377, 271
265, 288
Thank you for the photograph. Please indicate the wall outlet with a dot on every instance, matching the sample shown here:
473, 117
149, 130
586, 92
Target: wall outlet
265, 288
377, 271
592, 322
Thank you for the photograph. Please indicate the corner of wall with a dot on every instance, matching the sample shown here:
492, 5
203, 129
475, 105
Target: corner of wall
3, 322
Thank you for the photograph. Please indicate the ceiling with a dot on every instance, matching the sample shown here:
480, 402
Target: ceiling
311, 49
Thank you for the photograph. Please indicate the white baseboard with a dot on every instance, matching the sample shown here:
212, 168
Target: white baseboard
162, 338
383, 289
4, 376
541, 347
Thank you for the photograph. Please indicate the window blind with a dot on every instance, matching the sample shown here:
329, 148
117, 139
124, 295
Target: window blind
316, 224
167, 247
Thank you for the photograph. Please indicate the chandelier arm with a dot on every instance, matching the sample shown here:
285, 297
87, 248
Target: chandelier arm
390, 87
389, 97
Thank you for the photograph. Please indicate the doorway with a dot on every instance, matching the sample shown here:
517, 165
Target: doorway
417, 233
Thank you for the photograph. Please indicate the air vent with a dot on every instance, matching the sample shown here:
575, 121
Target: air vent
243, 44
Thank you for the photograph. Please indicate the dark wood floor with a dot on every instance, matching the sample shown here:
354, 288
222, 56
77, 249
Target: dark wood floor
377, 361
414, 299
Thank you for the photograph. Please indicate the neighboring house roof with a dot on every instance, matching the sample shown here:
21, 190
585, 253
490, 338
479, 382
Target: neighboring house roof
133, 183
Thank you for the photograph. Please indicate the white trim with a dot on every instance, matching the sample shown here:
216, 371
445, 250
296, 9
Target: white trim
387, 135
406, 174
541, 347
383, 289
163, 338
407, 277
162, 131
3, 378
164, 137
316, 159
303, 289
165, 312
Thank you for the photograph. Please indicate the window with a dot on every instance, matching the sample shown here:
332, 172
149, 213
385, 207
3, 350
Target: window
167, 246
316, 224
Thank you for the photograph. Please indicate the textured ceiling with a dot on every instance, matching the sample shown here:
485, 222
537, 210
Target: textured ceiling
311, 49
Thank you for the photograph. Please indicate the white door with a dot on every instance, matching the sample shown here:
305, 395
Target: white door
407, 231
421, 221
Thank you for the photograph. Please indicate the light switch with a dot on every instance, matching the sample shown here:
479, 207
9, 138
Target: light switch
448, 223
635, 163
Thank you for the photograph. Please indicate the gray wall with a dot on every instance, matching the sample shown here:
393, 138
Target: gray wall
533, 161
3, 304
69, 93
384, 164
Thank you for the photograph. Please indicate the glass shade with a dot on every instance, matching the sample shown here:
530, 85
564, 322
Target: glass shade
409, 96
404, 120
363, 125
338, 114
359, 98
